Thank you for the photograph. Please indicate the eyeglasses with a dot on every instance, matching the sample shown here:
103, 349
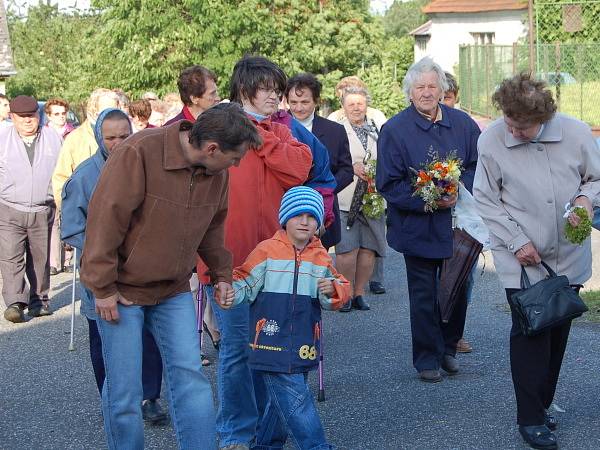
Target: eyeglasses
268, 91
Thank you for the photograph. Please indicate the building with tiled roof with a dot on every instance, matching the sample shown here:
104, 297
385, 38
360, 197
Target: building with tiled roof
452, 23
6, 61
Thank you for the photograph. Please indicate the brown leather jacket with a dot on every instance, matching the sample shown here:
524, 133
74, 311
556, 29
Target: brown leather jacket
150, 214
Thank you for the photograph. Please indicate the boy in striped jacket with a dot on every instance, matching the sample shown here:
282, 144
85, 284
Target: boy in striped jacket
288, 279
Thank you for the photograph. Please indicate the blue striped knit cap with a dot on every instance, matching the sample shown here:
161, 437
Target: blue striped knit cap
301, 199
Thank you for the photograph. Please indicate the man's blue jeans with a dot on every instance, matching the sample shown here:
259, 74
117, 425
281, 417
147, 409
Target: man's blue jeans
237, 415
173, 325
290, 411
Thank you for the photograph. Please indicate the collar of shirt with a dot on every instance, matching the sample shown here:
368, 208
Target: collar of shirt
308, 122
537, 137
438, 115
257, 116
188, 114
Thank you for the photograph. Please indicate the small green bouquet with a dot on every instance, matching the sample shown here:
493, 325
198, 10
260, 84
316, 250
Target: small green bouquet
577, 235
373, 205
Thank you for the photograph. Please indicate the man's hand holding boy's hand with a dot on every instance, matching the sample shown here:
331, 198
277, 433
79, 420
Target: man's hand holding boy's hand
325, 287
224, 294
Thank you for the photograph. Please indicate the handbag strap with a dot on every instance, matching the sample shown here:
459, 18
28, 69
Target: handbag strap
525, 283
551, 272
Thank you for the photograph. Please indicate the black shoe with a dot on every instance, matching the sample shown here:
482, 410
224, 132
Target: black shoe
550, 421
153, 414
215, 343
347, 306
53, 271
430, 376
376, 287
538, 436
359, 303
450, 365
39, 311
14, 313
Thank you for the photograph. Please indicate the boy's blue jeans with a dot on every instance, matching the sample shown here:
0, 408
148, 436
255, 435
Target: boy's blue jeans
290, 410
236, 415
173, 325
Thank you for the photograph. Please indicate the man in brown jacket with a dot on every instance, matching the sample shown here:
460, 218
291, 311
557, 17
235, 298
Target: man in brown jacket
161, 198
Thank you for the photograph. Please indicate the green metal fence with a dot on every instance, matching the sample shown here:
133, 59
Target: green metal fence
571, 70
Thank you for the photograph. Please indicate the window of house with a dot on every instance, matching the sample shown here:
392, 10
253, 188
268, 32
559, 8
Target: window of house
483, 38
421, 42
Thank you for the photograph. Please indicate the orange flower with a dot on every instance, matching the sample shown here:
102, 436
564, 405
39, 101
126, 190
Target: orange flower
424, 176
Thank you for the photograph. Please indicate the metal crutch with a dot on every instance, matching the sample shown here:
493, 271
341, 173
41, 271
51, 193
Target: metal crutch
71, 344
200, 315
321, 396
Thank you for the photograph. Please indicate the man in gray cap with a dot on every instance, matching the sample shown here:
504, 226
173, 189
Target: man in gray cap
28, 155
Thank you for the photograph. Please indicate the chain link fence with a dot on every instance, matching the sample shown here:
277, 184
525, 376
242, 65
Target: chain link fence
571, 70
567, 57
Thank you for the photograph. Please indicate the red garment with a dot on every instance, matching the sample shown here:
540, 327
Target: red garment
256, 188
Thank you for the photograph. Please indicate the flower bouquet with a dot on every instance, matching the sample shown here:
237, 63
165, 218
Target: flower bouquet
577, 235
437, 179
373, 205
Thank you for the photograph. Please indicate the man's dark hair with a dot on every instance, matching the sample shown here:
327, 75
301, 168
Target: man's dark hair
227, 125
304, 81
192, 82
252, 73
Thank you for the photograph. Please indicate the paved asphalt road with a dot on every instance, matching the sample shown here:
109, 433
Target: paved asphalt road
48, 399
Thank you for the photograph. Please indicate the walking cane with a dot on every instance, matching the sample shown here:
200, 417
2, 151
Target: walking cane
71, 344
321, 396
200, 315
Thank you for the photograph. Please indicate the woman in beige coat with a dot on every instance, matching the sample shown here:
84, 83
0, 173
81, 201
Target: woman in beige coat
532, 162
365, 240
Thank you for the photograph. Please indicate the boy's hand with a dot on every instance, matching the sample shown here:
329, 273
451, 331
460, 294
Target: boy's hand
325, 287
224, 294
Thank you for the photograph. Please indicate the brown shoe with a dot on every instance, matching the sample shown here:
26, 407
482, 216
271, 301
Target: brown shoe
463, 346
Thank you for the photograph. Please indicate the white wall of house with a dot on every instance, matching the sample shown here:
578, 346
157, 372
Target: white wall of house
449, 31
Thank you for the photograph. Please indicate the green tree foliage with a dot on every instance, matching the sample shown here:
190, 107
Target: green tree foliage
385, 80
48, 49
140, 45
403, 17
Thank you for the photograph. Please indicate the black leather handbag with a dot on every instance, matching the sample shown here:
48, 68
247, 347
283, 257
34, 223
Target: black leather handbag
546, 304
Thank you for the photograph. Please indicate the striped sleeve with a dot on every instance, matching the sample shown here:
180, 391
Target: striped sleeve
342, 291
249, 278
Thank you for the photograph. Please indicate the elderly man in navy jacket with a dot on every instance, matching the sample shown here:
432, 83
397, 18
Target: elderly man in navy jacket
424, 237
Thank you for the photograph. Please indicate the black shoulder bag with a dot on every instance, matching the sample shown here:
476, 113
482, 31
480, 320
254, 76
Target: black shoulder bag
547, 303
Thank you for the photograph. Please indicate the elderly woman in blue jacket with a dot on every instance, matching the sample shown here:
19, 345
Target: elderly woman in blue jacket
424, 236
111, 128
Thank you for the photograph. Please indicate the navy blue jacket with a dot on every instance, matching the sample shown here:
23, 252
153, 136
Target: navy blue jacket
334, 137
404, 142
